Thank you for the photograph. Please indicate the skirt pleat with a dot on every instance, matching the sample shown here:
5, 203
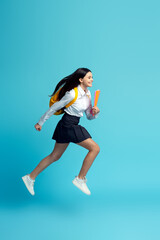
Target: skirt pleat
68, 130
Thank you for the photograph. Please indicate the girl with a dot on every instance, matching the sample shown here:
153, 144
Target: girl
68, 130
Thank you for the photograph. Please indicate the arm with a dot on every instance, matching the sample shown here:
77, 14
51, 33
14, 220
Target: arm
68, 97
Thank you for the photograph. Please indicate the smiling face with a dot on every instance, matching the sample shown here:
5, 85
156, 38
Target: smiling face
86, 81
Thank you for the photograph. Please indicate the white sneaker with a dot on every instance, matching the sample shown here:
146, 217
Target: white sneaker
29, 184
81, 184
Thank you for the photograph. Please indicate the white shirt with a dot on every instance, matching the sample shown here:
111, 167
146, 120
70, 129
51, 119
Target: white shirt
82, 104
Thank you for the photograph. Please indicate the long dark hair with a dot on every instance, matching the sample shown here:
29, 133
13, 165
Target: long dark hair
70, 82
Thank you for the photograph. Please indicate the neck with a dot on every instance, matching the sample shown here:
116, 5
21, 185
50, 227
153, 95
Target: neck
83, 87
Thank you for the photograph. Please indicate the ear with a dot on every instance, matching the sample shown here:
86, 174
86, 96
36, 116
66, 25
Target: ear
81, 80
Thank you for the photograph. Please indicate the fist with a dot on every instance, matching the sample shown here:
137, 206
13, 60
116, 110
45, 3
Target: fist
95, 110
38, 127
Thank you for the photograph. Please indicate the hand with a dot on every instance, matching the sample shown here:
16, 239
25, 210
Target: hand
95, 110
38, 127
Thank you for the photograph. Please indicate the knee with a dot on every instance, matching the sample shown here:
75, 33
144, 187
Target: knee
55, 157
96, 148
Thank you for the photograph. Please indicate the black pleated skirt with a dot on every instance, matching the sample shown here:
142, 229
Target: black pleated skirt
68, 130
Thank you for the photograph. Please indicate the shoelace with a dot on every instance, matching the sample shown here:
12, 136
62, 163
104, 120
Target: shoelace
31, 180
85, 179
32, 183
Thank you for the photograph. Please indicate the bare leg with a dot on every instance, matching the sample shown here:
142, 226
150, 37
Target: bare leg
58, 150
93, 152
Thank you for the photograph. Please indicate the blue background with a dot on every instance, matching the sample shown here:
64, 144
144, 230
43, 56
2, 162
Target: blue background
42, 42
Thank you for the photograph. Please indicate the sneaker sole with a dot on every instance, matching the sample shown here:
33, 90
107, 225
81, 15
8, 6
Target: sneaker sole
80, 188
27, 187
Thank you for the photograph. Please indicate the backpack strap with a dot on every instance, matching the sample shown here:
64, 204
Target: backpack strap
75, 98
55, 97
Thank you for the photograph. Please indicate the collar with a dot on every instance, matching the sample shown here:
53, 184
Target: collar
82, 91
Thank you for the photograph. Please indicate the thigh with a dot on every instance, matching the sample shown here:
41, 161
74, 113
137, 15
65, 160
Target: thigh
89, 144
59, 148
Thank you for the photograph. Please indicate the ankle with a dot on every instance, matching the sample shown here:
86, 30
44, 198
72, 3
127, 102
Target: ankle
81, 177
32, 178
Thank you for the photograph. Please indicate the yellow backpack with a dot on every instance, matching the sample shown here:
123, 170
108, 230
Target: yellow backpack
54, 99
